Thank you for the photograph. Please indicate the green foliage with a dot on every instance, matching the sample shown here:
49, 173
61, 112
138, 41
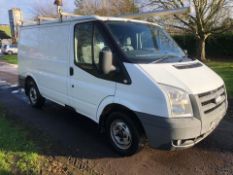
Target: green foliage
12, 59
216, 46
225, 70
28, 163
220, 45
4, 163
6, 29
18, 155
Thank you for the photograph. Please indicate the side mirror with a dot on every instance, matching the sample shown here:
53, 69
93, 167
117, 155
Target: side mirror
186, 52
106, 61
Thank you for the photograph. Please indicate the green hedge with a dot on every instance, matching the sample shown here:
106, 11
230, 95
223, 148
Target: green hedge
216, 46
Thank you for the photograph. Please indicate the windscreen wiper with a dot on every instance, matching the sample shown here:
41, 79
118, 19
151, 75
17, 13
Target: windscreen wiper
165, 57
185, 58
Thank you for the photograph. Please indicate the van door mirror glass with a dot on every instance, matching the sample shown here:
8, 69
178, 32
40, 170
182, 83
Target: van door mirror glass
106, 61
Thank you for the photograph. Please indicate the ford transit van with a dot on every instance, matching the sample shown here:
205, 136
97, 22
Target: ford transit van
128, 76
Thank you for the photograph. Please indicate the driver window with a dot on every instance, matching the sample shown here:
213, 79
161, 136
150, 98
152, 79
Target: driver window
89, 41
83, 43
99, 43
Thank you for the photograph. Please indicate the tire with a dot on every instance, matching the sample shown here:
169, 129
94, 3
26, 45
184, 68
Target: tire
35, 98
10, 53
122, 133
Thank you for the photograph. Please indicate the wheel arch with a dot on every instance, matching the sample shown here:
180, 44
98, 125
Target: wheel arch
108, 109
29, 77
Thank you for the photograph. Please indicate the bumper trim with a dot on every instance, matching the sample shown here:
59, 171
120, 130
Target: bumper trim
174, 133
191, 142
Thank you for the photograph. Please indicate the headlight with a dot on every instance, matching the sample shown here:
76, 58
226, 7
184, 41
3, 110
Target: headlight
179, 101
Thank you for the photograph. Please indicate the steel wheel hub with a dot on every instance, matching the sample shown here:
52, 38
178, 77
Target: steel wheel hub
120, 134
33, 95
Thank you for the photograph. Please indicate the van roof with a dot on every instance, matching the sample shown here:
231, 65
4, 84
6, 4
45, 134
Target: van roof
85, 18
119, 18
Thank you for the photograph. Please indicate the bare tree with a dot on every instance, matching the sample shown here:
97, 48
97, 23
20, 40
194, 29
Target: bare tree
209, 17
44, 9
105, 7
47, 8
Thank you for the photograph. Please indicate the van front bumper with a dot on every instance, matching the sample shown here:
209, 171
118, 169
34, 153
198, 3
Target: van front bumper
175, 133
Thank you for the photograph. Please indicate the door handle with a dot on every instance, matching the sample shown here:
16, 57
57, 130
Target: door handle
71, 71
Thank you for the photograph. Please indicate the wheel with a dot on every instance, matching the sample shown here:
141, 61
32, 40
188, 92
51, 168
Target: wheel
122, 133
9, 52
35, 98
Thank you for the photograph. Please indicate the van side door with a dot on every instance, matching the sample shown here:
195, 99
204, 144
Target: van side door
87, 86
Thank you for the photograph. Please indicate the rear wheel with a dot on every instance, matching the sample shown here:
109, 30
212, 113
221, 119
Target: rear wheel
35, 98
122, 133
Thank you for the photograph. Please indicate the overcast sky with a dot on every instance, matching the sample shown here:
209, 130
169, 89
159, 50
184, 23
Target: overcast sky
27, 7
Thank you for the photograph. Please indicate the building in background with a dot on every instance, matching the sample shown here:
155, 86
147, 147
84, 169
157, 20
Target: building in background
15, 18
5, 34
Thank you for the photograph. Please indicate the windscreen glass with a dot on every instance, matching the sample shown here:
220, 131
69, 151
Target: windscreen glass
144, 42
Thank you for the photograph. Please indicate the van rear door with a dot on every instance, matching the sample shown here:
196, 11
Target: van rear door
87, 85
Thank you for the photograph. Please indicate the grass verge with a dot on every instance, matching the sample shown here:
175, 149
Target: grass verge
225, 70
18, 154
12, 59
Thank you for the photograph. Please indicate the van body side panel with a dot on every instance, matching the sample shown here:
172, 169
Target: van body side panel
86, 91
45, 54
142, 95
104, 103
53, 61
28, 49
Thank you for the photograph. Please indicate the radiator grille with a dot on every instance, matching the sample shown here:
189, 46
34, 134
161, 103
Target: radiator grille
212, 100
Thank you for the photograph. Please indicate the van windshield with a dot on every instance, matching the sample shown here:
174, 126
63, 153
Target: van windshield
145, 43
13, 46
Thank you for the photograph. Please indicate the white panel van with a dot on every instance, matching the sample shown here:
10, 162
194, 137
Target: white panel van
128, 76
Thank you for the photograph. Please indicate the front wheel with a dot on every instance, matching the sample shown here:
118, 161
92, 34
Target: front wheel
35, 98
10, 53
122, 133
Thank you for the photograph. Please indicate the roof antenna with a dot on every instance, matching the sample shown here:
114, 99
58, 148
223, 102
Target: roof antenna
59, 5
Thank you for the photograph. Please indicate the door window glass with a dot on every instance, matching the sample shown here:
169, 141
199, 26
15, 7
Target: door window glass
89, 42
99, 44
83, 44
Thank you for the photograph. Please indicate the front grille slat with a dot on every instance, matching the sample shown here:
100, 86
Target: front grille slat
208, 106
209, 100
211, 95
212, 105
218, 109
